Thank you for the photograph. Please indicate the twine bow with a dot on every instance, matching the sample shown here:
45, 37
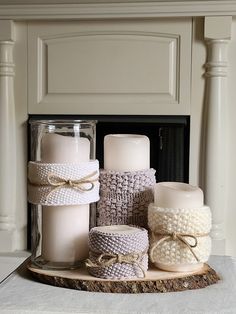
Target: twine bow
178, 237
108, 259
58, 182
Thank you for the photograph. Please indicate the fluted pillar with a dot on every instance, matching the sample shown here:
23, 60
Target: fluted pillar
7, 139
217, 35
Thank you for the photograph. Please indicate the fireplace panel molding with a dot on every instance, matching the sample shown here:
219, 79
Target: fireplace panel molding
196, 86
104, 69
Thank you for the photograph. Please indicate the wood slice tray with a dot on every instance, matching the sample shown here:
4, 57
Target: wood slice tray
155, 280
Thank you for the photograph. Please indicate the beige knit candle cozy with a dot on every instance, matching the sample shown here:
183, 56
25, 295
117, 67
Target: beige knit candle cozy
179, 236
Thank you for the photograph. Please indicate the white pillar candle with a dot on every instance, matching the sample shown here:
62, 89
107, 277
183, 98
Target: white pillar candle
177, 195
58, 149
65, 228
126, 152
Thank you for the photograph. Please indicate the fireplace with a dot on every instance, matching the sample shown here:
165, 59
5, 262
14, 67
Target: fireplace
65, 65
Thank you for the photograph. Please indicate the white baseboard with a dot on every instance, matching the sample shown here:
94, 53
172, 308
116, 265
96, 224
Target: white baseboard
7, 240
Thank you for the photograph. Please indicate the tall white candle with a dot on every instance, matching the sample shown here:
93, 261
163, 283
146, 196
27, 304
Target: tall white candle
177, 195
65, 228
126, 152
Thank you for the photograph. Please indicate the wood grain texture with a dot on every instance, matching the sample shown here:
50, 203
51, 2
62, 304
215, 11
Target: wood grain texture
156, 281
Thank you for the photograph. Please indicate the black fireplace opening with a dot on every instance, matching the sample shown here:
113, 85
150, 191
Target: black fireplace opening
168, 135
169, 142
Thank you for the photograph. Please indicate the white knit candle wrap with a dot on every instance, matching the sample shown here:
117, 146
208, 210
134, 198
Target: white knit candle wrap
194, 221
41, 192
102, 243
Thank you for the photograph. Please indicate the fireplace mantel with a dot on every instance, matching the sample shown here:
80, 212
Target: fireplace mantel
201, 44
99, 9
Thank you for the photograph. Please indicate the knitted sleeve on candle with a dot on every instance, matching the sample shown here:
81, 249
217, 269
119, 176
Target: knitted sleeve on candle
175, 252
182, 220
124, 197
102, 243
166, 221
72, 184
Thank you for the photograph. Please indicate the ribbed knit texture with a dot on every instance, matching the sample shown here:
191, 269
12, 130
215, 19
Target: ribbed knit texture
124, 197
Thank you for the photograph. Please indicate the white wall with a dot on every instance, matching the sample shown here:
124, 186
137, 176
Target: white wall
197, 102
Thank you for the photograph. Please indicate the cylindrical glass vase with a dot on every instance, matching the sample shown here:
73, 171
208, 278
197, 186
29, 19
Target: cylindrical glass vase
60, 224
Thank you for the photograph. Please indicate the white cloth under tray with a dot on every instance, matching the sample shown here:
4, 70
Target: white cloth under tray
20, 294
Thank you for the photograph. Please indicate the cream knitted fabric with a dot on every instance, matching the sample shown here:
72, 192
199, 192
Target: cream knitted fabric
124, 197
175, 252
40, 191
182, 220
123, 244
166, 221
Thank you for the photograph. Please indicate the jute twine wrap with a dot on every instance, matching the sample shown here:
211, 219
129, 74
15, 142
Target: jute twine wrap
124, 197
179, 236
63, 184
117, 256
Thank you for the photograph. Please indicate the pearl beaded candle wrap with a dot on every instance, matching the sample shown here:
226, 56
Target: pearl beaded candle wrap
117, 252
180, 225
126, 152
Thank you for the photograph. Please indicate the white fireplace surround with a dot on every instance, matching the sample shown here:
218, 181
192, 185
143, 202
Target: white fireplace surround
198, 38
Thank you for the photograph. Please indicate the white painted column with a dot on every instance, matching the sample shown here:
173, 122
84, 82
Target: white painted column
7, 139
217, 35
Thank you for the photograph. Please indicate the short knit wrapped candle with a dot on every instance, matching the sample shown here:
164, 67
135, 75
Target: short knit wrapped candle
117, 252
180, 225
